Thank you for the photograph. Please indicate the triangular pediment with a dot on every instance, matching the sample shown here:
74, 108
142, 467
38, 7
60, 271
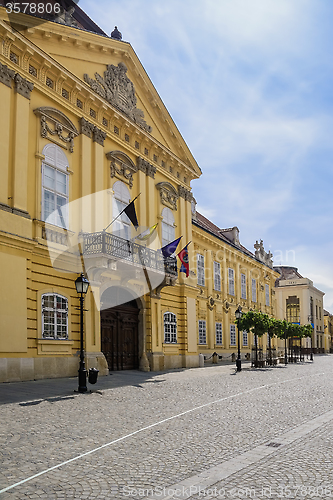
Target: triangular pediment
111, 72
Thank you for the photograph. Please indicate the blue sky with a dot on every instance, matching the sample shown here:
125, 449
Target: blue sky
249, 85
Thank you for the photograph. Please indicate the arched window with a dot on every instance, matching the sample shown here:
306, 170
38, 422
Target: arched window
168, 226
55, 186
54, 316
170, 328
122, 226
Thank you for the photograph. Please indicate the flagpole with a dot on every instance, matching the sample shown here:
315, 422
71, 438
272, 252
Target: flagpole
121, 212
103, 230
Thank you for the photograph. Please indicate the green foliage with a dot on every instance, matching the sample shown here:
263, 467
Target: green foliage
260, 323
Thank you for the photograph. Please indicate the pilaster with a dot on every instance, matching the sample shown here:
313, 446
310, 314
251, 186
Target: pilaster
20, 152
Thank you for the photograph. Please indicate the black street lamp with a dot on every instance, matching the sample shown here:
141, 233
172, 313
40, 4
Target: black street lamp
81, 285
238, 315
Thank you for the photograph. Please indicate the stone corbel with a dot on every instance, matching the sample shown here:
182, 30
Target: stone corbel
86, 127
146, 167
6, 75
99, 136
23, 86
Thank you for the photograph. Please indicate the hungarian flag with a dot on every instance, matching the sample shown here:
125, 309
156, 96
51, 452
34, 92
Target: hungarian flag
170, 248
131, 214
183, 256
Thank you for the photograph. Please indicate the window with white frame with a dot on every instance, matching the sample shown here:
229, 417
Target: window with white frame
201, 269
55, 186
168, 226
54, 316
243, 286
217, 276
254, 290
232, 334
170, 328
267, 294
218, 333
121, 198
245, 338
202, 331
231, 278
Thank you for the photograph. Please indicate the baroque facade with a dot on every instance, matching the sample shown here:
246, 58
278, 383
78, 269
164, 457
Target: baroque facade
83, 132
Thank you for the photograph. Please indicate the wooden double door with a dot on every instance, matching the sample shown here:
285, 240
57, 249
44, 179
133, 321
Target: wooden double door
119, 336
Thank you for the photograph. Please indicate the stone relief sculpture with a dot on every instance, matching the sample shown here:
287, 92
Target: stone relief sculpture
260, 254
119, 91
51, 117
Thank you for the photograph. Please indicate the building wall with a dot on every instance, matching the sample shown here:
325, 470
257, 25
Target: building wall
219, 306
39, 71
303, 289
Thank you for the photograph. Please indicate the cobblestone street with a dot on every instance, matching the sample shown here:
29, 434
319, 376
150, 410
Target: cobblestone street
198, 433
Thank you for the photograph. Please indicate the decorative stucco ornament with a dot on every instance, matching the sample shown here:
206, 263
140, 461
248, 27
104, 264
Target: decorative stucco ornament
119, 91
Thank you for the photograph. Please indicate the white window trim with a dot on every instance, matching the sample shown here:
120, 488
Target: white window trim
217, 276
201, 269
245, 335
243, 286
231, 281
168, 226
218, 333
63, 169
202, 332
254, 290
232, 334
54, 309
267, 301
168, 322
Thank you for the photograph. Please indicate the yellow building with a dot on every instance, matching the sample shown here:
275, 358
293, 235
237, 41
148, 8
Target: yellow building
83, 132
228, 275
328, 329
299, 301
79, 116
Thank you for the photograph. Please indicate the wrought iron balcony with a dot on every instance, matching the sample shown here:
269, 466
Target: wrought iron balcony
117, 248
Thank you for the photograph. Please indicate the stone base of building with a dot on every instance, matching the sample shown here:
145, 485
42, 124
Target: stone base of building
159, 361
23, 369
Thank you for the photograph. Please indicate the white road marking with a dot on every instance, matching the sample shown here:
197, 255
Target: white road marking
149, 427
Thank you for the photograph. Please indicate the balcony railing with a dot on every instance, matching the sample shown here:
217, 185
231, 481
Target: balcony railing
125, 250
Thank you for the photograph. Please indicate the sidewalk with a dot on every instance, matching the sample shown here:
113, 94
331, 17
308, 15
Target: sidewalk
34, 391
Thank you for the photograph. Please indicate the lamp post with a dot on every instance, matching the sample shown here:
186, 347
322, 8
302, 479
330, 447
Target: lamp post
238, 315
81, 285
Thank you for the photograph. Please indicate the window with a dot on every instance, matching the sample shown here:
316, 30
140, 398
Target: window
122, 197
243, 286
168, 226
201, 269
170, 328
254, 290
267, 294
218, 333
231, 281
55, 186
217, 276
245, 338
293, 309
54, 316
232, 335
202, 331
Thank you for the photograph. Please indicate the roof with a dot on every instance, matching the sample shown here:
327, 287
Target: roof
287, 273
219, 233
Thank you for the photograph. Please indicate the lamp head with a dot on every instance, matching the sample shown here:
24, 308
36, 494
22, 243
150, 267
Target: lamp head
238, 312
81, 284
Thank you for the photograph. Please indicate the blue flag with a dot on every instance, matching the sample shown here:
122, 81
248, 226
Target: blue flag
170, 248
